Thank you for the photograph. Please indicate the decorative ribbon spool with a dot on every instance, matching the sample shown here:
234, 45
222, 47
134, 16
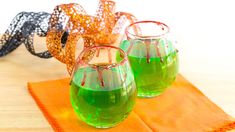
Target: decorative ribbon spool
22, 30
72, 21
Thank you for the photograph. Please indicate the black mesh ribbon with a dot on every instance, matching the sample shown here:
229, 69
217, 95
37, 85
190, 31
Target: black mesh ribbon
22, 30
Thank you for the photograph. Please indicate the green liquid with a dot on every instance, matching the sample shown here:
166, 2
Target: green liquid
154, 77
102, 107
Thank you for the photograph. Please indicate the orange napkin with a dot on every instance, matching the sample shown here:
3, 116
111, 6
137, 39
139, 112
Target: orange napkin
182, 108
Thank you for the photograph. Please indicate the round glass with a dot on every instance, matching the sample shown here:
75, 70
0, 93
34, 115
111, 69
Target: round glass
152, 55
103, 89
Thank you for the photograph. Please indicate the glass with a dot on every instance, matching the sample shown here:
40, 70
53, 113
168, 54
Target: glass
103, 89
152, 56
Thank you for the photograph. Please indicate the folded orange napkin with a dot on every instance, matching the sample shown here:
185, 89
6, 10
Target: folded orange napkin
182, 108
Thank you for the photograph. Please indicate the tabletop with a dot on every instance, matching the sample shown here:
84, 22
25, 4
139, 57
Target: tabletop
206, 53
18, 111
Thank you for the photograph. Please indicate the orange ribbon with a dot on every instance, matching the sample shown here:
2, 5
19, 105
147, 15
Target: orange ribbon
71, 19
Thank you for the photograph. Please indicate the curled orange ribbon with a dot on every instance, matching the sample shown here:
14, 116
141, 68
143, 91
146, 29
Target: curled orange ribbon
70, 21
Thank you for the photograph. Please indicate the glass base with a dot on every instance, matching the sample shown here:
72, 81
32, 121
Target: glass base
152, 93
105, 126
108, 125
149, 95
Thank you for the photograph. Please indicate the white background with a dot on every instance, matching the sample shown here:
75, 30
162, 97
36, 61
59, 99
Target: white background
205, 30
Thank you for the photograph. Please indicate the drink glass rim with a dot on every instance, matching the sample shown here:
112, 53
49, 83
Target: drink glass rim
111, 65
145, 36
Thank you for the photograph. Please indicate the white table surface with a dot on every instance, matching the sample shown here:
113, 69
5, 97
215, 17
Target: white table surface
205, 31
